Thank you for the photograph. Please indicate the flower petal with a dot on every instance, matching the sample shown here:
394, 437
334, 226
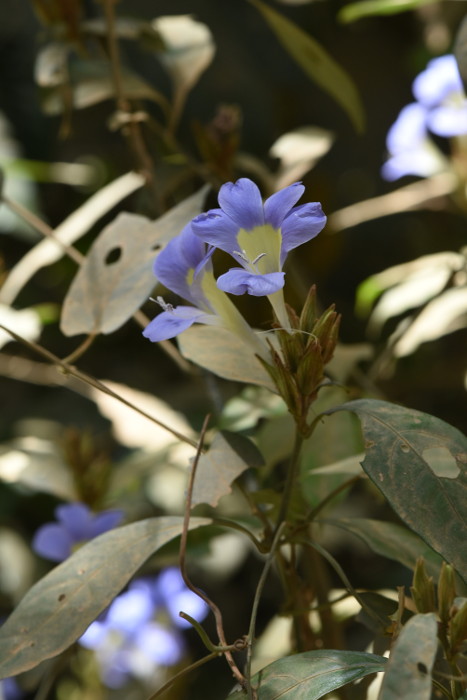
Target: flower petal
76, 518
242, 202
280, 203
217, 229
168, 324
239, 281
129, 610
423, 161
107, 520
301, 225
52, 542
439, 79
408, 130
161, 645
180, 255
449, 120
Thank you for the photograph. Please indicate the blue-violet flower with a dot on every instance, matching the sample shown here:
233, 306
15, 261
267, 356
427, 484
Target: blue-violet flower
76, 524
184, 266
259, 236
440, 108
140, 631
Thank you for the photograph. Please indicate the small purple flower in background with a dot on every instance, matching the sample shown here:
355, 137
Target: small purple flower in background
10, 690
259, 236
76, 524
441, 108
184, 267
140, 631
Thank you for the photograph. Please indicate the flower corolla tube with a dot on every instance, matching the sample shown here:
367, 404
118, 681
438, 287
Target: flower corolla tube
258, 236
440, 108
184, 266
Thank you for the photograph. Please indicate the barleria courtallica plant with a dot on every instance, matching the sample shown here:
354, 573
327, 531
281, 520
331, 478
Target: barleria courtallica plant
190, 533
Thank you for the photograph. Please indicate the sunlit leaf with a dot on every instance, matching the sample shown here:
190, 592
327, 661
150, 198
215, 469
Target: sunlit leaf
299, 151
134, 430
117, 276
426, 493
228, 456
312, 674
70, 230
57, 610
222, 353
24, 322
91, 82
407, 286
38, 465
126, 28
316, 62
445, 314
392, 541
189, 49
356, 10
408, 673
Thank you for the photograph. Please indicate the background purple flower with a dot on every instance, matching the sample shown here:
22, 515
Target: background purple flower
140, 631
76, 524
441, 108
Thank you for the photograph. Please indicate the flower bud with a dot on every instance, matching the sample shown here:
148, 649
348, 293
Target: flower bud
446, 592
458, 626
422, 589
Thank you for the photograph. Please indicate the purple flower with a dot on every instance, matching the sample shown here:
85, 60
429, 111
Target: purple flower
76, 525
185, 267
10, 690
257, 235
441, 108
140, 630
411, 150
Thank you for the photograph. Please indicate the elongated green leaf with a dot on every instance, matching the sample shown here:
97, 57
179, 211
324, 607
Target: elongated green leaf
316, 62
58, 608
311, 675
420, 464
356, 10
408, 673
392, 541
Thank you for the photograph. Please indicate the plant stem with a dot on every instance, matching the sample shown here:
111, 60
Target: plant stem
254, 610
290, 480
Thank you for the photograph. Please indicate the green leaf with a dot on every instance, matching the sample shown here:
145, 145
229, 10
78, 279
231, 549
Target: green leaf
57, 609
408, 673
311, 675
392, 541
419, 463
224, 354
316, 62
356, 10
117, 275
228, 456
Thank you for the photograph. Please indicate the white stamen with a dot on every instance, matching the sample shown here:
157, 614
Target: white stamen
258, 258
242, 255
251, 263
162, 303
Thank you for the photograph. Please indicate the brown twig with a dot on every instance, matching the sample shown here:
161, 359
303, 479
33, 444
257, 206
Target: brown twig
183, 543
132, 124
92, 381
